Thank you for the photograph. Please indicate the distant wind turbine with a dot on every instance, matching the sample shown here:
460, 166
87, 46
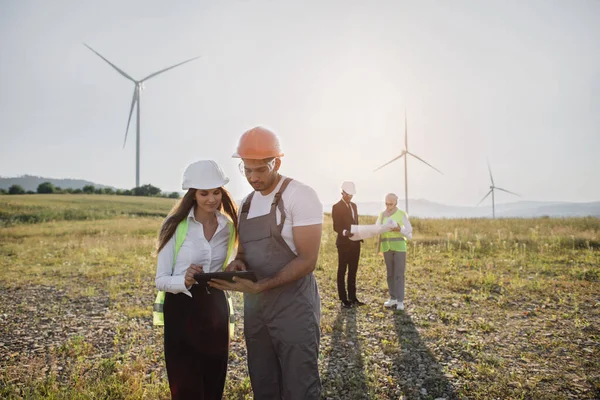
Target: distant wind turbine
492, 188
137, 91
405, 153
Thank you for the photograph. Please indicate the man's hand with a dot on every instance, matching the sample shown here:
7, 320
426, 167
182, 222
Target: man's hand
396, 229
348, 234
236, 265
238, 285
189, 274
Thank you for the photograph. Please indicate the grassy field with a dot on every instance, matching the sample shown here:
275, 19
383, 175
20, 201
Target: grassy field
495, 309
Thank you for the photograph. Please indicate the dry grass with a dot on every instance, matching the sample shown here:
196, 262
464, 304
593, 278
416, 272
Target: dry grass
495, 309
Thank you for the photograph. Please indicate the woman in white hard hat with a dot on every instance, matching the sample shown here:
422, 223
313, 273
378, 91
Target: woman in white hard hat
196, 237
393, 246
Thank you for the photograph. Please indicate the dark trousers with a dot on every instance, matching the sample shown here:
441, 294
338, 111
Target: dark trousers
347, 260
196, 343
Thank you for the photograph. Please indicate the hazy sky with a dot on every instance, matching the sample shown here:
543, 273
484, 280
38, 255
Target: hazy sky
515, 82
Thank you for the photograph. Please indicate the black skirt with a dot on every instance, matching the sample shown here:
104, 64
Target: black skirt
196, 343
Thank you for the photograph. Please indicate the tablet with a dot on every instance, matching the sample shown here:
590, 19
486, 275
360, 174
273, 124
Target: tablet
227, 276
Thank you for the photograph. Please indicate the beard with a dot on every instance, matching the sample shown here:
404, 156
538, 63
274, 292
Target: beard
265, 184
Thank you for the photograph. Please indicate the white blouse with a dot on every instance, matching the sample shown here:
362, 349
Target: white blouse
194, 250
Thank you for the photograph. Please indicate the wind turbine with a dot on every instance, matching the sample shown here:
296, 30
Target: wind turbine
137, 92
492, 188
405, 153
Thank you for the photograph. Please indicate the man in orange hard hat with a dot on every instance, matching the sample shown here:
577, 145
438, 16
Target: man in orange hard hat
280, 230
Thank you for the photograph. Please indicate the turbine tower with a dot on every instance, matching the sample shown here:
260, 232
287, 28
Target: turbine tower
137, 92
405, 153
492, 188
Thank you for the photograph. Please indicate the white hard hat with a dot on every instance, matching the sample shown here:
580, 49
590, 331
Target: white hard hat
203, 174
349, 187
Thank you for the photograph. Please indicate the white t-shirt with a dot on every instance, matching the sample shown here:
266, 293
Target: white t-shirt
301, 205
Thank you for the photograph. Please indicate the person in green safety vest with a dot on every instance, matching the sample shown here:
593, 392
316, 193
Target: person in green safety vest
393, 246
197, 236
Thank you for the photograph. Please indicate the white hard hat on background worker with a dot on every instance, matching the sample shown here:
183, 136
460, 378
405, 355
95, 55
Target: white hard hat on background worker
203, 174
349, 187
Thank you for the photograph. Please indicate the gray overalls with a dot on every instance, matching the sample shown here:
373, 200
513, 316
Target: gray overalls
281, 325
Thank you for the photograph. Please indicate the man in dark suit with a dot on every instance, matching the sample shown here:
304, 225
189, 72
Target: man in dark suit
345, 213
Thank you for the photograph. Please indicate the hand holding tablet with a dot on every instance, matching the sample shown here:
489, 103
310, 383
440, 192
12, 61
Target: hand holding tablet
227, 276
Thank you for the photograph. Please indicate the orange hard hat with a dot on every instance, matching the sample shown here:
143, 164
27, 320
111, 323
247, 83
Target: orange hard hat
257, 144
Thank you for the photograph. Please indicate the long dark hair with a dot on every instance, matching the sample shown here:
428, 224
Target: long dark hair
182, 208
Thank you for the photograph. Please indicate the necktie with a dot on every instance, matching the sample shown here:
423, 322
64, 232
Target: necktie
352, 213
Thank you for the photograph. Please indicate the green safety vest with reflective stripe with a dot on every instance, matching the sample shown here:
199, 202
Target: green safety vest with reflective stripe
180, 235
394, 241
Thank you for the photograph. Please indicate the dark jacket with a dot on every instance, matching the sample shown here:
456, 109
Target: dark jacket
342, 219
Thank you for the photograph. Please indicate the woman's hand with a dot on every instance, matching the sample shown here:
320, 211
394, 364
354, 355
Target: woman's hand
189, 274
396, 229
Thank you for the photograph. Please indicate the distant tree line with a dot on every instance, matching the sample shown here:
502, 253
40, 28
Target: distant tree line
47, 187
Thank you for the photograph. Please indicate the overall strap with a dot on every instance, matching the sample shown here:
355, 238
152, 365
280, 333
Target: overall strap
277, 203
246, 206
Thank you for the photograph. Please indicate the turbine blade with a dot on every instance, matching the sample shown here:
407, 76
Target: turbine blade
389, 162
133, 102
111, 64
490, 169
507, 191
168, 68
423, 161
485, 197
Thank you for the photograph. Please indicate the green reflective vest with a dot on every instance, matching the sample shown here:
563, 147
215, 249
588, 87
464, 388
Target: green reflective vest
180, 234
393, 241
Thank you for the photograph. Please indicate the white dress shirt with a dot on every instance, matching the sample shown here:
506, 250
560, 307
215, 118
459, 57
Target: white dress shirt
353, 217
194, 250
